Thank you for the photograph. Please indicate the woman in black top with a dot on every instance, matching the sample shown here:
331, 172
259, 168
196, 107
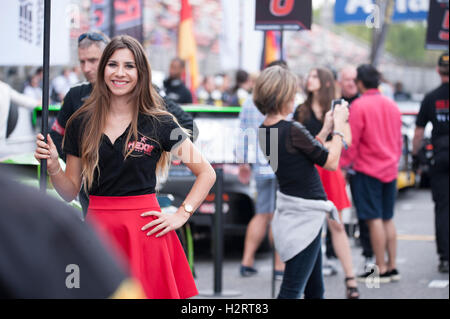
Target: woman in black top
118, 142
301, 202
320, 90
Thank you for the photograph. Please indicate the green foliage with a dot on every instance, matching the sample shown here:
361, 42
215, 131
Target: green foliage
408, 41
404, 40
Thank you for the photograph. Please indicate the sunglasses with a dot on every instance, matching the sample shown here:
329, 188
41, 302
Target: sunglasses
91, 36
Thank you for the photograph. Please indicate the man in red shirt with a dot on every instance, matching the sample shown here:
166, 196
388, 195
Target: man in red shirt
374, 155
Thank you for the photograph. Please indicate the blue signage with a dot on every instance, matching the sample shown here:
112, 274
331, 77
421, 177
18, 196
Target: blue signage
357, 11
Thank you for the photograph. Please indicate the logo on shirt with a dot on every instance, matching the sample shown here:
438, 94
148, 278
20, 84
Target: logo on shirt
442, 110
142, 146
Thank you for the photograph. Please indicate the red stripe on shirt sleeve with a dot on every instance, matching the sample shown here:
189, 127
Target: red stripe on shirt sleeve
58, 128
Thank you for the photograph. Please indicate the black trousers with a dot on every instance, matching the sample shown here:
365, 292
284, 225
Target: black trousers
439, 189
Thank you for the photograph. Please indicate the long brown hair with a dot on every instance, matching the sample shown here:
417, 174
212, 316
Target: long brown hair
95, 109
326, 94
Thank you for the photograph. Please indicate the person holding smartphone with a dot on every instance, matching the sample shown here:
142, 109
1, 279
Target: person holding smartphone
302, 204
320, 94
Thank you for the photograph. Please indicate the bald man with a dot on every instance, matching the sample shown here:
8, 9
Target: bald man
346, 79
349, 92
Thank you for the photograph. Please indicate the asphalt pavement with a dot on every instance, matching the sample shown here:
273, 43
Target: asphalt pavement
417, 262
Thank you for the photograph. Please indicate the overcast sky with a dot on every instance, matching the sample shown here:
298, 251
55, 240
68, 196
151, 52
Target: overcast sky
318, 3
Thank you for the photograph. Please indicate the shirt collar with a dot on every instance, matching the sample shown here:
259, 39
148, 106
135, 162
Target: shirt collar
372, 92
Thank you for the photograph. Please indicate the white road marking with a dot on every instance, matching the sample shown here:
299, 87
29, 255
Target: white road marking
438, 284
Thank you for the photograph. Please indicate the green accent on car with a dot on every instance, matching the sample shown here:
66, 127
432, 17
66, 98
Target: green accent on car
21, 159
190, 108
51, 108
193, 108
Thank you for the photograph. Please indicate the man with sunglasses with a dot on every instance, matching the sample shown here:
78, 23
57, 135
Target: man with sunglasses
90, 49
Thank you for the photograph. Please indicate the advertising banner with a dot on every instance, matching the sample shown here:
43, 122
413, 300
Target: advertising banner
437, 32
127, 17
357, 11
289, 15
22, 22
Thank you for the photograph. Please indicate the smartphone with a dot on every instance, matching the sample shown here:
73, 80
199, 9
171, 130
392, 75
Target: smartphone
336, 102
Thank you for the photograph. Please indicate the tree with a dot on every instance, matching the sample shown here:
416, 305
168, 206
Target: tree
404, 40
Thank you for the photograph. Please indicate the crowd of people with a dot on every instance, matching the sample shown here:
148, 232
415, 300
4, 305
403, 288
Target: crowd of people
213, 90
371, 140
115, 133
309, 174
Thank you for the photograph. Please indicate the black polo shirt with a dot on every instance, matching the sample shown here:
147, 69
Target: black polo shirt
73, 100
76, 97
177, 91
349, 100
134, 175
434, 109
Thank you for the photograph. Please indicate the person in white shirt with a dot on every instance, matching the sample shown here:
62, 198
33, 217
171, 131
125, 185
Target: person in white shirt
61, 85
8, 95
33, 88
23, 128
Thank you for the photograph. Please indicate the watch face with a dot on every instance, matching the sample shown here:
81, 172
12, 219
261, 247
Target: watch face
188, 208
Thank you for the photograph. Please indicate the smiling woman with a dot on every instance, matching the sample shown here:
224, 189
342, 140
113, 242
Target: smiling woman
120, 73
117, 143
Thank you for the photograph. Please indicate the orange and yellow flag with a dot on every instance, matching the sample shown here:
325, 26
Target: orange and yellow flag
272, 48
187, 48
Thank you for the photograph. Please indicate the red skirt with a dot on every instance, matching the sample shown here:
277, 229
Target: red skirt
334, 184
160, 264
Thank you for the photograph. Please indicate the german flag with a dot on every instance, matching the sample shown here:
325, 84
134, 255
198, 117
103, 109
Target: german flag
187, 48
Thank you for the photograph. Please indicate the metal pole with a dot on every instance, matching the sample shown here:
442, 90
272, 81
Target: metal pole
218, 233
112, 18
45, 93
281, 44
379, 36
273, 271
